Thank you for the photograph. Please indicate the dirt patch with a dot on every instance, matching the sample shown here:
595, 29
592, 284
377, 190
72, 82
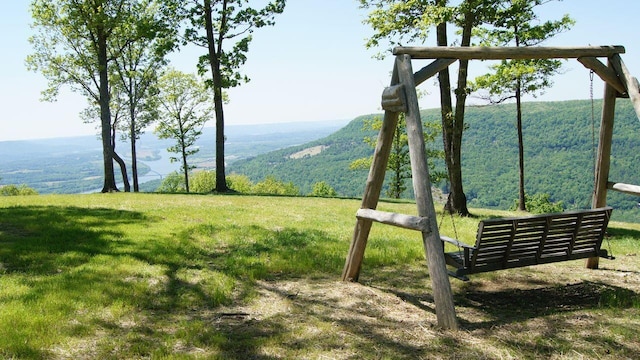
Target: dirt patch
308, 152
511, 314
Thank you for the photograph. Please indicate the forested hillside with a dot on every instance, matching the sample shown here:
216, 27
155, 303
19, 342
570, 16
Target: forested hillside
304, 166
558, 156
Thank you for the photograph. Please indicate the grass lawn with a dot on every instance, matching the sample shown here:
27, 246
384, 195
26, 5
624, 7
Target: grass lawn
132, 276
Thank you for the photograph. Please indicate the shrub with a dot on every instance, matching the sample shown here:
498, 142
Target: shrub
271, 186
540, 204
172, 183
323, 189
202, 181
239, 183
13, 190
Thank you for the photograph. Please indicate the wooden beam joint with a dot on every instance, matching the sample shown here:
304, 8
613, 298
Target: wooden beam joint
394, 99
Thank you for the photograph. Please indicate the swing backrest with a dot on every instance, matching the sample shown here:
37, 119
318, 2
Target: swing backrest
515, 242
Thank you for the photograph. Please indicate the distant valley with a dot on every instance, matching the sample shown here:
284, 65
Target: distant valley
74, 164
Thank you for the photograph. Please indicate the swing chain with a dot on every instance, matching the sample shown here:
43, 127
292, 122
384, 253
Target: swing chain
593, 143
593, 128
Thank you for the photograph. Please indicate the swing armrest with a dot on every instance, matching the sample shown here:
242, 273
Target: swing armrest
456, 242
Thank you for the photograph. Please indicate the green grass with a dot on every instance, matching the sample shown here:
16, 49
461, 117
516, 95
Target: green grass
115, 276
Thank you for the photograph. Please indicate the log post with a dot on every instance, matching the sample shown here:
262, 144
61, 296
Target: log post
603, 161
630, 82
353, 263
442, 294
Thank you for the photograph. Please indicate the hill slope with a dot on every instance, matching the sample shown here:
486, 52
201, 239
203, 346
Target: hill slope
558, 155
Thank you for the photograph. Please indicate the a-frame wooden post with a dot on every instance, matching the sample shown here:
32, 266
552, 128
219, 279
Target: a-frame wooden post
442, 295
404, 98
351, 271
604, 154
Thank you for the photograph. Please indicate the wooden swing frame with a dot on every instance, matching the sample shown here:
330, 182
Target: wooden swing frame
401, 96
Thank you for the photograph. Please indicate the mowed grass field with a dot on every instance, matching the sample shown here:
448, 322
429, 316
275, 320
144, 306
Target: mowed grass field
139, 276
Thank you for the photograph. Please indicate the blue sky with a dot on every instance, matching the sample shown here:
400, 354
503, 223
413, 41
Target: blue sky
311, 66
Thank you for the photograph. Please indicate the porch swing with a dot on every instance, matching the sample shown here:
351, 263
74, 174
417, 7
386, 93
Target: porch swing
532, 240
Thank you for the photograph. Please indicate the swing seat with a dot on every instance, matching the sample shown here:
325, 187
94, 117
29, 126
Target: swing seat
523, 241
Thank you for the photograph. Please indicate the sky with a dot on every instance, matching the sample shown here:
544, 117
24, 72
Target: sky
311, 66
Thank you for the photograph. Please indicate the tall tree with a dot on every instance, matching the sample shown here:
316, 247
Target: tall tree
213, 24
399, 22
185, 106
517, 24
137, 68
73, 46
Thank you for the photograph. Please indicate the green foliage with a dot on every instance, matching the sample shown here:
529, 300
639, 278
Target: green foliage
516, 24
322, 189
172, 183
539, 204
185, 106
13, 190
231, 20
331, 164
202, 181
239, 183
272, 186
399, 163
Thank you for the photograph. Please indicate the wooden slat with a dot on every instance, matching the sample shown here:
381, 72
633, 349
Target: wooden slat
404, 221
500, 53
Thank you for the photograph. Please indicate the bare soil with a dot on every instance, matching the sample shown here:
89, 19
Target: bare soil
557, 311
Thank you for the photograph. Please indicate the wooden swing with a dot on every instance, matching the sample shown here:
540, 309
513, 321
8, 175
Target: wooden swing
558, 237
523, 241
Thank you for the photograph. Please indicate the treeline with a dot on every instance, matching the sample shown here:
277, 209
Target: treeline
560, 141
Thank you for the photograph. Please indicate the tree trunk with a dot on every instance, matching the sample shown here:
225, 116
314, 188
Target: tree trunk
522, 205
123, 170
185, 169
134, 157
118, 159
453, 124
521, 199
214, 61
105, 116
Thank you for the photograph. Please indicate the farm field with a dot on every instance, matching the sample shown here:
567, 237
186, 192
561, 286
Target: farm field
132, 276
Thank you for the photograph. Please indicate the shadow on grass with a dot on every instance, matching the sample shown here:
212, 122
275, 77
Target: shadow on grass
34, 239
84, 271
515, 305
623, 233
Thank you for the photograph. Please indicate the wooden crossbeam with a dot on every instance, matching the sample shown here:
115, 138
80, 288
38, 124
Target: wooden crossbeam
624, 188
410, 222
512, 52
430, 70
